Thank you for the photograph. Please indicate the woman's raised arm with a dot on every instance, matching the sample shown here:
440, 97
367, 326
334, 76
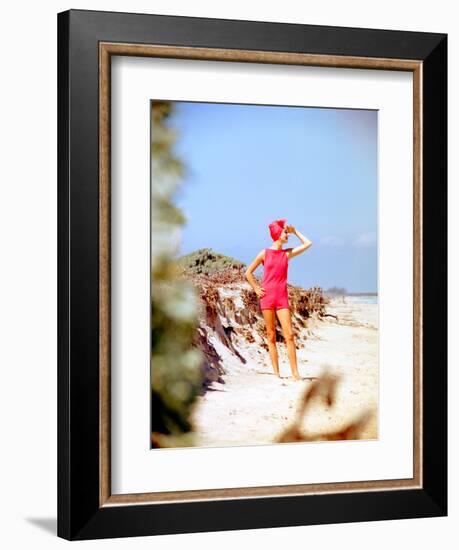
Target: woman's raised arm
303, 247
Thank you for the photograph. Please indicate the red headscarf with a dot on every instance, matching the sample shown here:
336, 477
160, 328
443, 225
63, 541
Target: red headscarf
276, 227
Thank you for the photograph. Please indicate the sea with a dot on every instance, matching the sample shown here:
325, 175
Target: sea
364, 299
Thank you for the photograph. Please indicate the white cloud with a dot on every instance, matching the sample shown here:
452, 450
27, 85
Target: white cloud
365, 239
330, 240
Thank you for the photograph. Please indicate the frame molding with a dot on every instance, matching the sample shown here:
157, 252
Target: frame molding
106, 51
86, 508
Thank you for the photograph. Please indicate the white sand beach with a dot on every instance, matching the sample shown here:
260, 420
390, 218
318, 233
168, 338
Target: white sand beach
253, 406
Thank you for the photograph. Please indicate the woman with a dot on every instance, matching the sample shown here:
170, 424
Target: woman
273, 293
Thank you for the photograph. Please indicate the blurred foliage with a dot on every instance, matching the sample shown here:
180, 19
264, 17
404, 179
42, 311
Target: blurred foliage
324, 389
176, 376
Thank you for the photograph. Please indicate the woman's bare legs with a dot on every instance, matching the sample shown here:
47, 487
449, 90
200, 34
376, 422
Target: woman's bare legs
286, 324
270, 321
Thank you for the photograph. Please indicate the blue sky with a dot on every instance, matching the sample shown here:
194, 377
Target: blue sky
247, 165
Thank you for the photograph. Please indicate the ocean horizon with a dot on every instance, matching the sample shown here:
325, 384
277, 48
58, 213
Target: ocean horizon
362, 299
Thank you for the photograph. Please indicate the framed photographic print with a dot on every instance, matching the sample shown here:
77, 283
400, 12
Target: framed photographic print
252, 274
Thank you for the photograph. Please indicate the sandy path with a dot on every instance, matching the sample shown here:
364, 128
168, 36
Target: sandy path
254, 406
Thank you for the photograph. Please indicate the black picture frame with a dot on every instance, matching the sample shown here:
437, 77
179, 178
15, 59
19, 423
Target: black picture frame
80, 514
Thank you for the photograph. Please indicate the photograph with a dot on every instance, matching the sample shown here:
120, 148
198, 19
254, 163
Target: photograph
264, 274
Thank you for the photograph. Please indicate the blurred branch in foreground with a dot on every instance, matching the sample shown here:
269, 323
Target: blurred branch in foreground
175, 364
323, 389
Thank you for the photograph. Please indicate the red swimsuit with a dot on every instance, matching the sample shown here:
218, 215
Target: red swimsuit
274, 279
